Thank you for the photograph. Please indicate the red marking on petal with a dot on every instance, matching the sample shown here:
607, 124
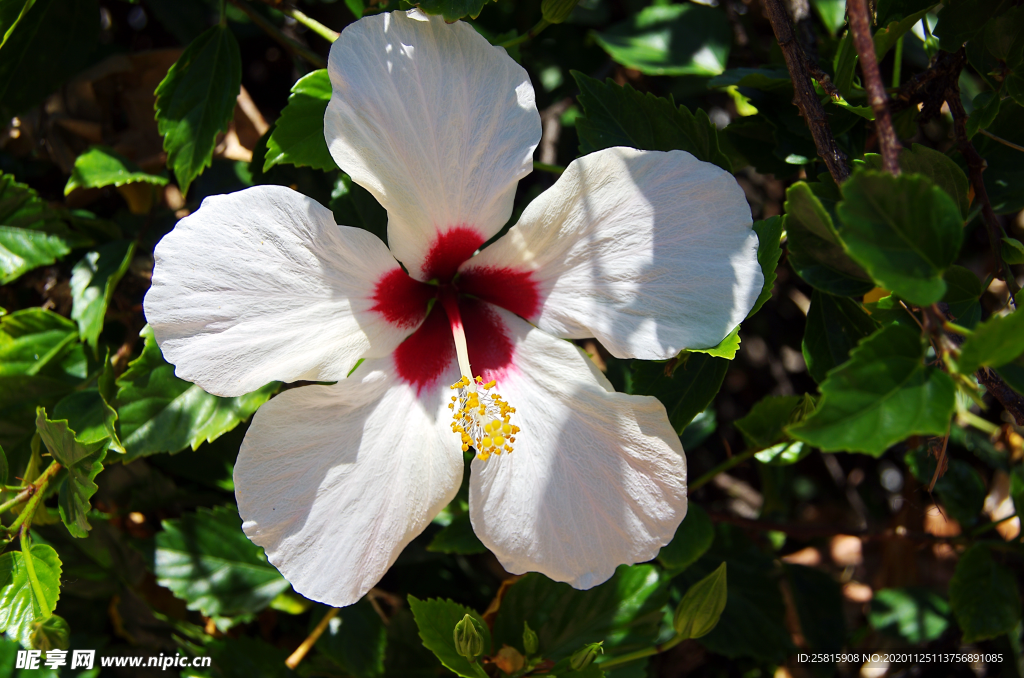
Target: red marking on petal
513, 290
490, 347
428, 352
401, 299
423, 358
449, 250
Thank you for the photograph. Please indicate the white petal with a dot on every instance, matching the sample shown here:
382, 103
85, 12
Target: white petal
649, 252
438, 124
597, 478
262, 285
334, 481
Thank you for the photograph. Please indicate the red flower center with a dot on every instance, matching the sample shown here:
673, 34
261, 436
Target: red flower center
403, 301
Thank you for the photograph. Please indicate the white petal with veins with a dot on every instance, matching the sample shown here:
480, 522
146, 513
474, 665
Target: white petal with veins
649, 252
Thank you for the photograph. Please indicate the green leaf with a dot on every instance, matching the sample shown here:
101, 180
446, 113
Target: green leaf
766, 78
995, 342
753, 622
915, 614
245, 657
692, 539
834, 326
1012, 251
622, 116
726, 348
457, 537
48, 44
101, 166
983, 595
960, 489
196, 100
769, 251
765, 424
90, 416
40, 362
93, 280
1004, 176
885, 38
889, 11
818, 600
52, 633
298, 136
82, 463
353, 205
205, 559
815, 250
684, 39
960, 21
937, 166
436, 620
905, 231
4, 469
451, 10
355, 640
686, 389
625, 612
31, 235
19, 604
963, 295
881, 395
832, 13
986, 108
161, 413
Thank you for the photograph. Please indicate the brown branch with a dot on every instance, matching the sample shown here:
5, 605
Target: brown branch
860, 29
806, 98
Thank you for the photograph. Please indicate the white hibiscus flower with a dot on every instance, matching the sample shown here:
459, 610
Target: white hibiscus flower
649, 252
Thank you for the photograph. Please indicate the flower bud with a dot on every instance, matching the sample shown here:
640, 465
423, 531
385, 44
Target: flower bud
557, 11
530, 642
585, 656
468, 640
701, 607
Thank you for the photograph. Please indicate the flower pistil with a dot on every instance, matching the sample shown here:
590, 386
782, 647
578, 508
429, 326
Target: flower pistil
480, 415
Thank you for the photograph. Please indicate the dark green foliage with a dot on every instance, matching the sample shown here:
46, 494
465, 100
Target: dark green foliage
298, 136
622, 116
834, 326
45, 44
196, 100
116, 476
984, 595
206, 560
686, 388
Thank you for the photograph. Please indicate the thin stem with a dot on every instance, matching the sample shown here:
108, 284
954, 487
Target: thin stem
35, 488
273, 31
860, 29
311, 23
545, 167
722, 468
37, 588
977, 422
1001, 140
223, 13
529, 35
982, 529
806, 98
302, 650
640, 654
897, 67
